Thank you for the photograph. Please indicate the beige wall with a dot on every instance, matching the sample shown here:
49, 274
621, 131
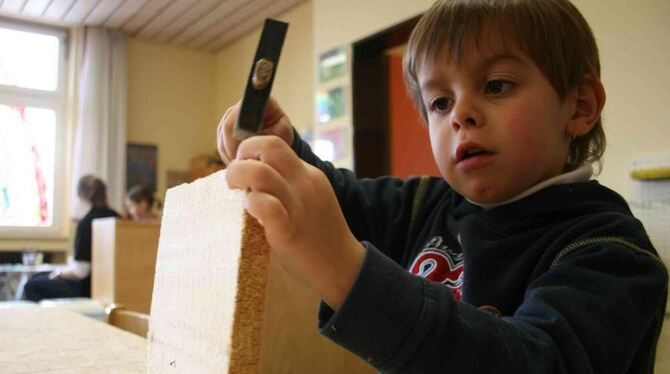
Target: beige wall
633, 37
294, 81
343, 22
171, 95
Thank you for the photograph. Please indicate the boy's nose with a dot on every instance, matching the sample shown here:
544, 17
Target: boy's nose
457, 124
464, 115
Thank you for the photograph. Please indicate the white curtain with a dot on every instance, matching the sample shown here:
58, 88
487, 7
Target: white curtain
100, 131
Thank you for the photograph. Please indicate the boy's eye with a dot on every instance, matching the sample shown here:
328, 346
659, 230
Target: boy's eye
497, 87
440, 104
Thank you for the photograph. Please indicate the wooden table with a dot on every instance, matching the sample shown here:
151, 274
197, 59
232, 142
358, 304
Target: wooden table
38, 340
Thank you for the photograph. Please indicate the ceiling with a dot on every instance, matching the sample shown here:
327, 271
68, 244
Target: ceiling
206, 25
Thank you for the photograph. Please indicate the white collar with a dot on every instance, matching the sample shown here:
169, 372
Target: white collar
581, 174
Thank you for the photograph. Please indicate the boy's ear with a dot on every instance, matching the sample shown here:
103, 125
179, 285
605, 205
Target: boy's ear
590, 99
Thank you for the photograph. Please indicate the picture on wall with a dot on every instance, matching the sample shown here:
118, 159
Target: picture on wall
141, 165
330, 104
331, 136
331, 145
332, 64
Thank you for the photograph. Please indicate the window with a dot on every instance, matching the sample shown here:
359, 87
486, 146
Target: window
32, 129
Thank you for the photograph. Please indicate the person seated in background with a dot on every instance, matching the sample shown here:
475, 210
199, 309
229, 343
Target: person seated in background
140, 202
74, 279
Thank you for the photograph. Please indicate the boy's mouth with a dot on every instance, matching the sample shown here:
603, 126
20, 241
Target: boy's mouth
469, 150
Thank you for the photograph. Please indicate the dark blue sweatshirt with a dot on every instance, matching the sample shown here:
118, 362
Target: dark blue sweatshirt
562, 281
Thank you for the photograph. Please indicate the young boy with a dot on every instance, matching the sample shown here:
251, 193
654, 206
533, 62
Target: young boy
514, 262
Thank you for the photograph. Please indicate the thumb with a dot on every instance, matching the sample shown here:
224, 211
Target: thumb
226, 143
276, 122
273, 113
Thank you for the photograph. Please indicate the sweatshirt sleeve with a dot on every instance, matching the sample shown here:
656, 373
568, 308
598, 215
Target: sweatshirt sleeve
588, 314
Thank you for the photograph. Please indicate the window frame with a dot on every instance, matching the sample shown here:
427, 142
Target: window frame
56, 101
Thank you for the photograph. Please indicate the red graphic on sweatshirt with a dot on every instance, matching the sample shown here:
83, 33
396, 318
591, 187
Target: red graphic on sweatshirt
442, 267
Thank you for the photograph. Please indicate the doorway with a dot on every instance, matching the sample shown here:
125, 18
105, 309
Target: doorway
389, 136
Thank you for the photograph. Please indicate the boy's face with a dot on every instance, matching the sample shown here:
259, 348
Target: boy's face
496, 124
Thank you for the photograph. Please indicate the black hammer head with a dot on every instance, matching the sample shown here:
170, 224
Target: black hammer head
261, 77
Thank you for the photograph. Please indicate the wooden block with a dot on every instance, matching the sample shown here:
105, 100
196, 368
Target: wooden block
221, 304
291, 343
123, 262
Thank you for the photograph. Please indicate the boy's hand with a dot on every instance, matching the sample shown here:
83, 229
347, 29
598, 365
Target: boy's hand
296, 205
275, 122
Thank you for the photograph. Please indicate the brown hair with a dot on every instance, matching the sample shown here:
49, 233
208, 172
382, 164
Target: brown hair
139, 193
93, 190
551, 32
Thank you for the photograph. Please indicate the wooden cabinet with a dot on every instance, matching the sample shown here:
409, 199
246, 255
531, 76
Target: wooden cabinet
123, 262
